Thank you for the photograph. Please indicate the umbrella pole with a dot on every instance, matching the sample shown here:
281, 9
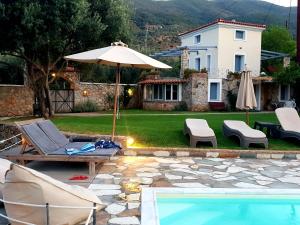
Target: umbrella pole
247, 117
116, 101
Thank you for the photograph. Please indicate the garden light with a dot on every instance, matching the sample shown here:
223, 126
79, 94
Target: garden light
85, 93
130, 141
130, 92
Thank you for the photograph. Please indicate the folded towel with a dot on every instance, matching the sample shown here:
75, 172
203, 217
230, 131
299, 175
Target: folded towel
106, 144
86, 148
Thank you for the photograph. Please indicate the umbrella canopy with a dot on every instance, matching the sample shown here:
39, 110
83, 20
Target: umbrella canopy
117, 55
246, 97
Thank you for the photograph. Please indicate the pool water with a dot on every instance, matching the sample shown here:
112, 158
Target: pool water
228, 210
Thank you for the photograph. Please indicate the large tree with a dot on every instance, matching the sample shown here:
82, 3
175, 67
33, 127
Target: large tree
41, 32
278, 39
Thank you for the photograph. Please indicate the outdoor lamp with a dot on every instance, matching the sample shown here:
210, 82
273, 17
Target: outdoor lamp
130, 141
85, 93
53, 74
130, 92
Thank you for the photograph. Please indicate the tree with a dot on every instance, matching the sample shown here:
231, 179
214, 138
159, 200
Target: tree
288, 75
278, 39
41, 32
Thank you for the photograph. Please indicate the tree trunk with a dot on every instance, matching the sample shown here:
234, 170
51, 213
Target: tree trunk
40, 85
48, 99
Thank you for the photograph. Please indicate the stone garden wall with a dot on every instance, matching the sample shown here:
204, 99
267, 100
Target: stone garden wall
100, 93
16, 100
194, 92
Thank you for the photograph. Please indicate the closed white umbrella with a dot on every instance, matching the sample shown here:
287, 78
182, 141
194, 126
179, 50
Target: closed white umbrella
246, 97
117, 55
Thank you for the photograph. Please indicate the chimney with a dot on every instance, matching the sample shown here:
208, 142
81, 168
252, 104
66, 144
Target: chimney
184, 61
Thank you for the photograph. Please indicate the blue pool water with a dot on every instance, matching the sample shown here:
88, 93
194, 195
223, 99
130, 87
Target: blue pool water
228, 210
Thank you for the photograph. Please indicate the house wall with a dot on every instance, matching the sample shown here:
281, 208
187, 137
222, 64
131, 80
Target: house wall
209, 37
219, 41
16, 100
160, 105
228, 47
209, 41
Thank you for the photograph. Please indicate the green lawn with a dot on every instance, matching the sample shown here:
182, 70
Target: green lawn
164, 130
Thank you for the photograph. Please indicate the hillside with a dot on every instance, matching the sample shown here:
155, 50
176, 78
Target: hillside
165, 19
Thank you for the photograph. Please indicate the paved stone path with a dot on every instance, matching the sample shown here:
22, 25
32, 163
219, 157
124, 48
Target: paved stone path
119, 181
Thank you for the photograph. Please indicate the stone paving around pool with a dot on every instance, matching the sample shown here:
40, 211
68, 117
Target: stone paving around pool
120, 180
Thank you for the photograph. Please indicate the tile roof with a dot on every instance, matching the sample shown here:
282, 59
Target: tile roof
163, 81
226, 22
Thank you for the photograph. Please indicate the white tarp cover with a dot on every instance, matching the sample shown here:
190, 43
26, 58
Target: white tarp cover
4, 167
29, 186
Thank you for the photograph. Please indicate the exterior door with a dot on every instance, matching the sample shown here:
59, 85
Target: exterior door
62, 100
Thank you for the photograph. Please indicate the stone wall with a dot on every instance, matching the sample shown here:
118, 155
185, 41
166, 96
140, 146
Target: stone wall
160, 105
100, 93
16, 100
194, 92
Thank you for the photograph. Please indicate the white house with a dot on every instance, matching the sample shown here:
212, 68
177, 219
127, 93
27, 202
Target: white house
221, 47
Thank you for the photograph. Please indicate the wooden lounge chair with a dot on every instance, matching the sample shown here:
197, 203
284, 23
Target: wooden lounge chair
54, 202
246, 134
290, 123
41, 147
199, 131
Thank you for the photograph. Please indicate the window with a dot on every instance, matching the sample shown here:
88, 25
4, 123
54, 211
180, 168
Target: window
239, 63
240, 35
208, 63
214, 91
197, 64
175, 92
168, 92
197, 39
284, 92
163, 92
158, 92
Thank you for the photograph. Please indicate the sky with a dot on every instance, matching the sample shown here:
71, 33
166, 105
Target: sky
283, 2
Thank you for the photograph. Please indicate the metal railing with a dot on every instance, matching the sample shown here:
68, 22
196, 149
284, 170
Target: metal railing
12, 145
47, 207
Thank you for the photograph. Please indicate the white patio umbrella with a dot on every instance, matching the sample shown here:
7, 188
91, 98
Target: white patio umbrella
246, 97
117, 55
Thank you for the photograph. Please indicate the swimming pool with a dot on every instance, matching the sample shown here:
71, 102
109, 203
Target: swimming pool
179, 206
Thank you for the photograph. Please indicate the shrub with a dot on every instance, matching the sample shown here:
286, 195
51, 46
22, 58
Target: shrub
234, 75
204, 70
188, 72
87, 106
232, 97
181, 107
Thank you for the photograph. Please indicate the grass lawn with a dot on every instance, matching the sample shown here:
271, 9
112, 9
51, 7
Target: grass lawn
162, 129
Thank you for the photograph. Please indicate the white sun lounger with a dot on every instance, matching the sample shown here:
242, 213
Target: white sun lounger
67, 204
289, 121
246, 134
199, 131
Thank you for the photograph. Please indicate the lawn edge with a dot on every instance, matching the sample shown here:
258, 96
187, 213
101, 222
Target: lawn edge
213, 153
